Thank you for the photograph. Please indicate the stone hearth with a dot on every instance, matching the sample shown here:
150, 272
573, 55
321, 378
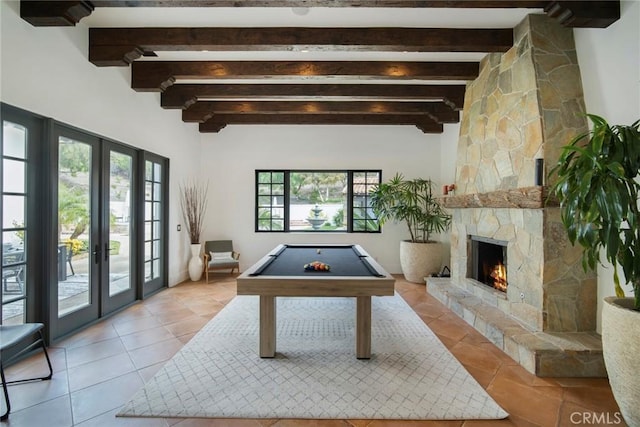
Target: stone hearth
525, 105
545, 354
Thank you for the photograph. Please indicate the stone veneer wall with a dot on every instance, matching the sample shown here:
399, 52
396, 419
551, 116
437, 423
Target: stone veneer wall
525, 104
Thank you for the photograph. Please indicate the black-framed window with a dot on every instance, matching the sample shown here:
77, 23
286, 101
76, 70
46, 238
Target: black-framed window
315, 201
14, 292
270, 200
156, 214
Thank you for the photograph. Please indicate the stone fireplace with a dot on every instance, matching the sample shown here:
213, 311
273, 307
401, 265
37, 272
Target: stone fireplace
523, 107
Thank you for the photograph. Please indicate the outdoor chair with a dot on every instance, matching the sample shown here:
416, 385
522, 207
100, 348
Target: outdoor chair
15, 272
69, 257
219, 255
15, 340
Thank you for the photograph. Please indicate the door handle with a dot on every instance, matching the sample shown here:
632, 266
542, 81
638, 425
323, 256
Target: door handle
106, 252
96, 254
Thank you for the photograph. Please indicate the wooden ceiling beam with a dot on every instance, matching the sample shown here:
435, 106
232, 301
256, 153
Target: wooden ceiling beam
220, 121
204, 110
54, 13
153, 76
596, 13
584, 14
183, 95
119, 46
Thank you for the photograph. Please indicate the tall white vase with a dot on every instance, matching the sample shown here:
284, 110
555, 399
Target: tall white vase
195, 263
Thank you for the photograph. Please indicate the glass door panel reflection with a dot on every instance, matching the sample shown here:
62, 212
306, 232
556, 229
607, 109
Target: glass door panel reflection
75, 249
120, 203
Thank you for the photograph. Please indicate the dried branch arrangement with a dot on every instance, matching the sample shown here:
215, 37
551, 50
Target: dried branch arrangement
193, 201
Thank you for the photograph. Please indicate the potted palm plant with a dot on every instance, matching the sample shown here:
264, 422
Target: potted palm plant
597, 186
193, 202
412, 201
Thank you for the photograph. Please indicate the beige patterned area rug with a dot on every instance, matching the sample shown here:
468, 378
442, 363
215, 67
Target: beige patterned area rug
315, 374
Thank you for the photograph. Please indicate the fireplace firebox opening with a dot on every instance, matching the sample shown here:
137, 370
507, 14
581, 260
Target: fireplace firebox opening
488, 262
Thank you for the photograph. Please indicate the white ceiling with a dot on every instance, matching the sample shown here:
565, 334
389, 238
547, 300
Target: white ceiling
316, 17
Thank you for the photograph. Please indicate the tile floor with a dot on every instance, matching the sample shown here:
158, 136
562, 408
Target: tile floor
98, 369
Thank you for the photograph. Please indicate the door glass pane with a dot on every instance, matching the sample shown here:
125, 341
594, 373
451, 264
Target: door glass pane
121, 169
13, 215
147, 211
157, 191
74, 225
13, 175
14, 140
13, 274
13, 312
156, 268
147, 271
147, 251
156, 211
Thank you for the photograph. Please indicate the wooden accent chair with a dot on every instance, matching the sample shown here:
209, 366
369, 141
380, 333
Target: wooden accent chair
219, 255
16, 340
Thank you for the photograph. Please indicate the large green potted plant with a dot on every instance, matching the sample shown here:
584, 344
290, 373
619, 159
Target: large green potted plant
597, 186
412, 201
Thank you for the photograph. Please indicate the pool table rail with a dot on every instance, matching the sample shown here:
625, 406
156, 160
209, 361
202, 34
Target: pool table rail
315, 285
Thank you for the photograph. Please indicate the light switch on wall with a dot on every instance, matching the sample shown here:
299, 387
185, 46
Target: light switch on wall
179, 227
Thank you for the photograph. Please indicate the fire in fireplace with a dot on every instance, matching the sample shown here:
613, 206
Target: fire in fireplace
488, 262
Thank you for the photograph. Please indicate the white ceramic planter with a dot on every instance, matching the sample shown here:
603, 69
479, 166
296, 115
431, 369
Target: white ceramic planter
419, 260
195, 263
621, 347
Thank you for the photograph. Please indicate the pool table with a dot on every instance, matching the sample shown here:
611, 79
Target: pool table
353, 273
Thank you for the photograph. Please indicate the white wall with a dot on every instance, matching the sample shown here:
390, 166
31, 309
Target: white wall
229, 160
448, 157
46, 70
610, 66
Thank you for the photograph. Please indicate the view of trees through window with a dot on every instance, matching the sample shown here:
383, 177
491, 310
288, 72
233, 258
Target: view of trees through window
75, 206
315, 201
73, 194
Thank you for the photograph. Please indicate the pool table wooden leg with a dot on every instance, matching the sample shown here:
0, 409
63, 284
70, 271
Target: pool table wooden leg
363, 327
267, 326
